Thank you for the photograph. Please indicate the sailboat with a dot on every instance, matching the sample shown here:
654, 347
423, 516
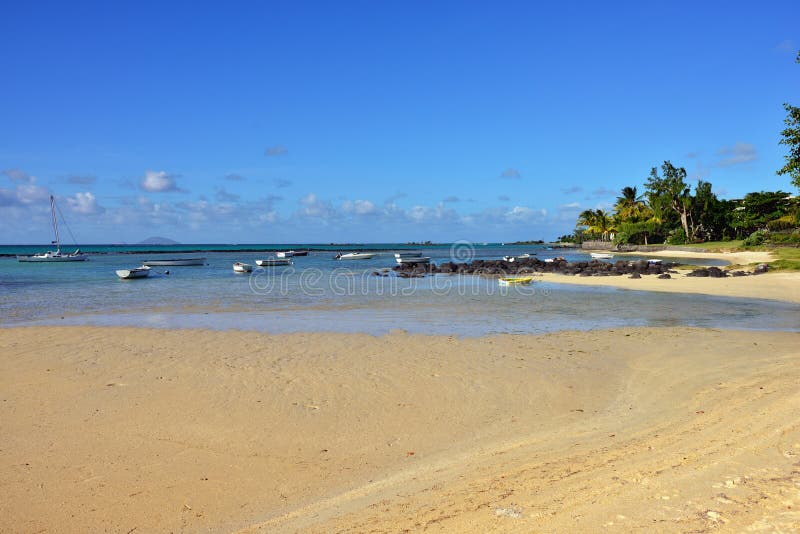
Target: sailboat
50, 255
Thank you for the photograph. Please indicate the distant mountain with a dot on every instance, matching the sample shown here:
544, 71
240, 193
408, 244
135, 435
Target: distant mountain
158, 241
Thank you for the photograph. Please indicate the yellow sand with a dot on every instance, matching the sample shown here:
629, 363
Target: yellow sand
650, 430
774, 286
743, 257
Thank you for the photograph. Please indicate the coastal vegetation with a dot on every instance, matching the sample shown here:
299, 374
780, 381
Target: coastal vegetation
671, 211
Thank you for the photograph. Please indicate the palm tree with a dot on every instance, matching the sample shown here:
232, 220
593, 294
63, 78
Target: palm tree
630, 206
597, 222
603, 223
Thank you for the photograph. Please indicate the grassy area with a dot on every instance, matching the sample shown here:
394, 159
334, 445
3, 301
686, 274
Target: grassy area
718, 246
788, 259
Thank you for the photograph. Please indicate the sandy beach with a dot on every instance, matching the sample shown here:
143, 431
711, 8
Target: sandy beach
742, 257
783, 286
124, 429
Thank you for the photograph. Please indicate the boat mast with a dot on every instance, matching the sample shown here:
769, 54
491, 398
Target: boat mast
55, 222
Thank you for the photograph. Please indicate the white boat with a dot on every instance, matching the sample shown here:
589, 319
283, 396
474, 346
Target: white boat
130, 274
54, 255
654, 261
408, 254
355, 256
240, 267
285, 254
509, 259
273, 262
174, 262
601, 255
413, 259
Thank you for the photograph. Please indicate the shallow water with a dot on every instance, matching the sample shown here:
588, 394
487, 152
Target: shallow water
318, 293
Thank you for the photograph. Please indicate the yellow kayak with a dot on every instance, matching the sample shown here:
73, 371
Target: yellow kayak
517, 280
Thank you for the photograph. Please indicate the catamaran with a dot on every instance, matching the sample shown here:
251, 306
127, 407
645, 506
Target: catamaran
56, 255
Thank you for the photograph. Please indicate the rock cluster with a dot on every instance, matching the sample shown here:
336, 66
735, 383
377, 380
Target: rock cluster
535, 265
716, 272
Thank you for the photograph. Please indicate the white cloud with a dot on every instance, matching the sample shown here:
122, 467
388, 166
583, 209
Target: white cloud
359, 207
18, 176
737, 154
570, 206
525, 214
158, 182
314, 207
32, 194
84, 204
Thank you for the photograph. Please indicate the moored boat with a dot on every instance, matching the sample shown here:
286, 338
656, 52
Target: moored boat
54, 256
601, 255
273, 262
408, 254
240, 267
130, 274
174, 262
412, 259
517, 280
285, 253
355, 256
301, 253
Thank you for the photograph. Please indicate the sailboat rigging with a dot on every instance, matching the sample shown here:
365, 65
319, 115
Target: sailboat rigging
54, 256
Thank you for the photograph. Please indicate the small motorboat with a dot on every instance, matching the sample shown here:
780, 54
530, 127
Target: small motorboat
517, 280
285, 253
509, 259
174, 262
130, 274
601, 255
301, 253
654, 261
240, 267
274, 262
525, 256
355, 256
412, 259
408, 254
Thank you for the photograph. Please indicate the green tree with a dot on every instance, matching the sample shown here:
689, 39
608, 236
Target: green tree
712, 214
630, 206
598, 223
791, 138
671, 190
759, 208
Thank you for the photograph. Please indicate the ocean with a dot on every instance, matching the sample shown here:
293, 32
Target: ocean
319, 293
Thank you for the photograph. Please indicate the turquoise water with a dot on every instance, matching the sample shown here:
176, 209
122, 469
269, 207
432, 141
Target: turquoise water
320, 293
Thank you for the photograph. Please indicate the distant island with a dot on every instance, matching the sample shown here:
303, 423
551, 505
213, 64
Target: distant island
155, 240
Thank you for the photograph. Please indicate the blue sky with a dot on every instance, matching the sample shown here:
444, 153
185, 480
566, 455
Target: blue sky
377, 121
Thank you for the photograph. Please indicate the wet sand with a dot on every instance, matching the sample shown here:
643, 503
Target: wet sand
670, 429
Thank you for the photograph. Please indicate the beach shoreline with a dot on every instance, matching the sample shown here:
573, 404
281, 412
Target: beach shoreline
743, 257
779, 286
122, 428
